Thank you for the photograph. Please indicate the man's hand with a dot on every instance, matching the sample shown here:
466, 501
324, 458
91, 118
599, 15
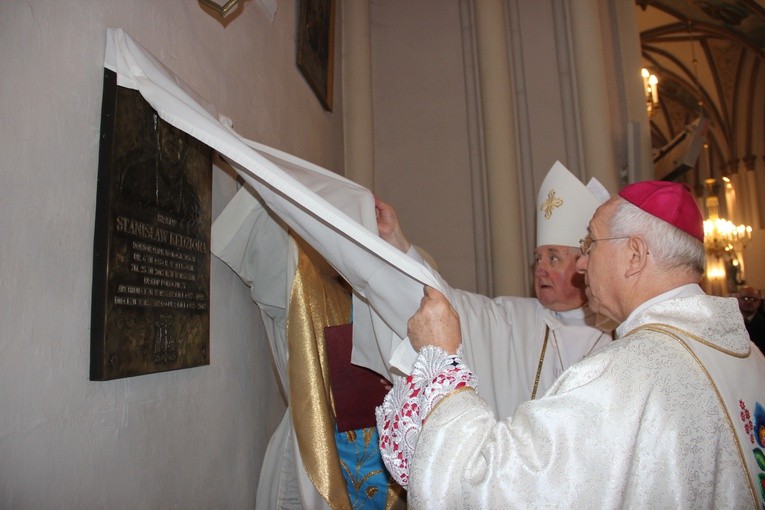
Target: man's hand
389, 227
435, 323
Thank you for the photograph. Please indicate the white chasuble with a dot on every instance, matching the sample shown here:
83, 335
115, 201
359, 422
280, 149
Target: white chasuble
664, 417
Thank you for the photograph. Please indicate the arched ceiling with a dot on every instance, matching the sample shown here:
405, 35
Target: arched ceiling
709, 56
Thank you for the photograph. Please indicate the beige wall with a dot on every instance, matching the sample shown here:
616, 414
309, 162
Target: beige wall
187, 439
422, 156
431, 134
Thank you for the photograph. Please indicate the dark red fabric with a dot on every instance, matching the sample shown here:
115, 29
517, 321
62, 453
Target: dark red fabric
356, 390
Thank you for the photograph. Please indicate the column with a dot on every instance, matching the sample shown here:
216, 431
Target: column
358, 124
508, 258
591, 77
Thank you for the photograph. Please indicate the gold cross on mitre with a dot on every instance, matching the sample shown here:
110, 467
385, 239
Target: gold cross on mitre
551, 203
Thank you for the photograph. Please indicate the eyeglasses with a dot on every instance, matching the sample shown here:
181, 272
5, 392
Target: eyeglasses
748, 299
585, 245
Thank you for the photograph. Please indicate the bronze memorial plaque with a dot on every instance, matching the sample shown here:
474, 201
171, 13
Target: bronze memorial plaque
151, 258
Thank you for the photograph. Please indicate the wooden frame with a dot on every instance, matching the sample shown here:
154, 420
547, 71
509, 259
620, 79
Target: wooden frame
316, 47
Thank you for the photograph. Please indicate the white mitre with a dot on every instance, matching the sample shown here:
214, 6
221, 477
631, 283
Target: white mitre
565, 206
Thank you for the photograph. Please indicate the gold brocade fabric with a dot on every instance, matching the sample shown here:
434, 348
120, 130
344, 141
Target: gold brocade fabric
318, 300
396, 497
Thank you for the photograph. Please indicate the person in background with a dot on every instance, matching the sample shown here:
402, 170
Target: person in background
518, 346
749, 302
669, 415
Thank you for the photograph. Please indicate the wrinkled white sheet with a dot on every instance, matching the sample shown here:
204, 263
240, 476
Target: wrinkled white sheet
333, 214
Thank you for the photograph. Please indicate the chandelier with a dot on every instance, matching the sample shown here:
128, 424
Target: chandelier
722, 236
651, 92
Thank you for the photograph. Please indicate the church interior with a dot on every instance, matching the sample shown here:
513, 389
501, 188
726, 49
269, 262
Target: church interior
709, 55
451, 110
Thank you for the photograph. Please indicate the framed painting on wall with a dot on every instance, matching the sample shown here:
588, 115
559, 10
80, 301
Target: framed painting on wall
315, 47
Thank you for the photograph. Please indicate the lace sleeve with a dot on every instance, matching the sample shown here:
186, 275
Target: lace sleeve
407, 405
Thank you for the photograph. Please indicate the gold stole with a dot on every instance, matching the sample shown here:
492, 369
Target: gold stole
318, 299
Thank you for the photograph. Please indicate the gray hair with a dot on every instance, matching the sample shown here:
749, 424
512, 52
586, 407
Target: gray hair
672, 248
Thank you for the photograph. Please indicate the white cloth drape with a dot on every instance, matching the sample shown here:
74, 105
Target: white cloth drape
336, 216
318, 205
322, 208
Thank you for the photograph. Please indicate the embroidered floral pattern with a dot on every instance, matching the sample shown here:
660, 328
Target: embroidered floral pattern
407, 405
754, 426
747, 419
759, 424
363, 470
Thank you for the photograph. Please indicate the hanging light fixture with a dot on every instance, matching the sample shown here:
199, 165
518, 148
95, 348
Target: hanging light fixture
720, 235
651, 91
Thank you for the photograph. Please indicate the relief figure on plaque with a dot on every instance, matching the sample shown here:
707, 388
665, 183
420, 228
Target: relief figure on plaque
153, 174
165, 348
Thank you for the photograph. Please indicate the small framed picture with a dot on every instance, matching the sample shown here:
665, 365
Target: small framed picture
315, 47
